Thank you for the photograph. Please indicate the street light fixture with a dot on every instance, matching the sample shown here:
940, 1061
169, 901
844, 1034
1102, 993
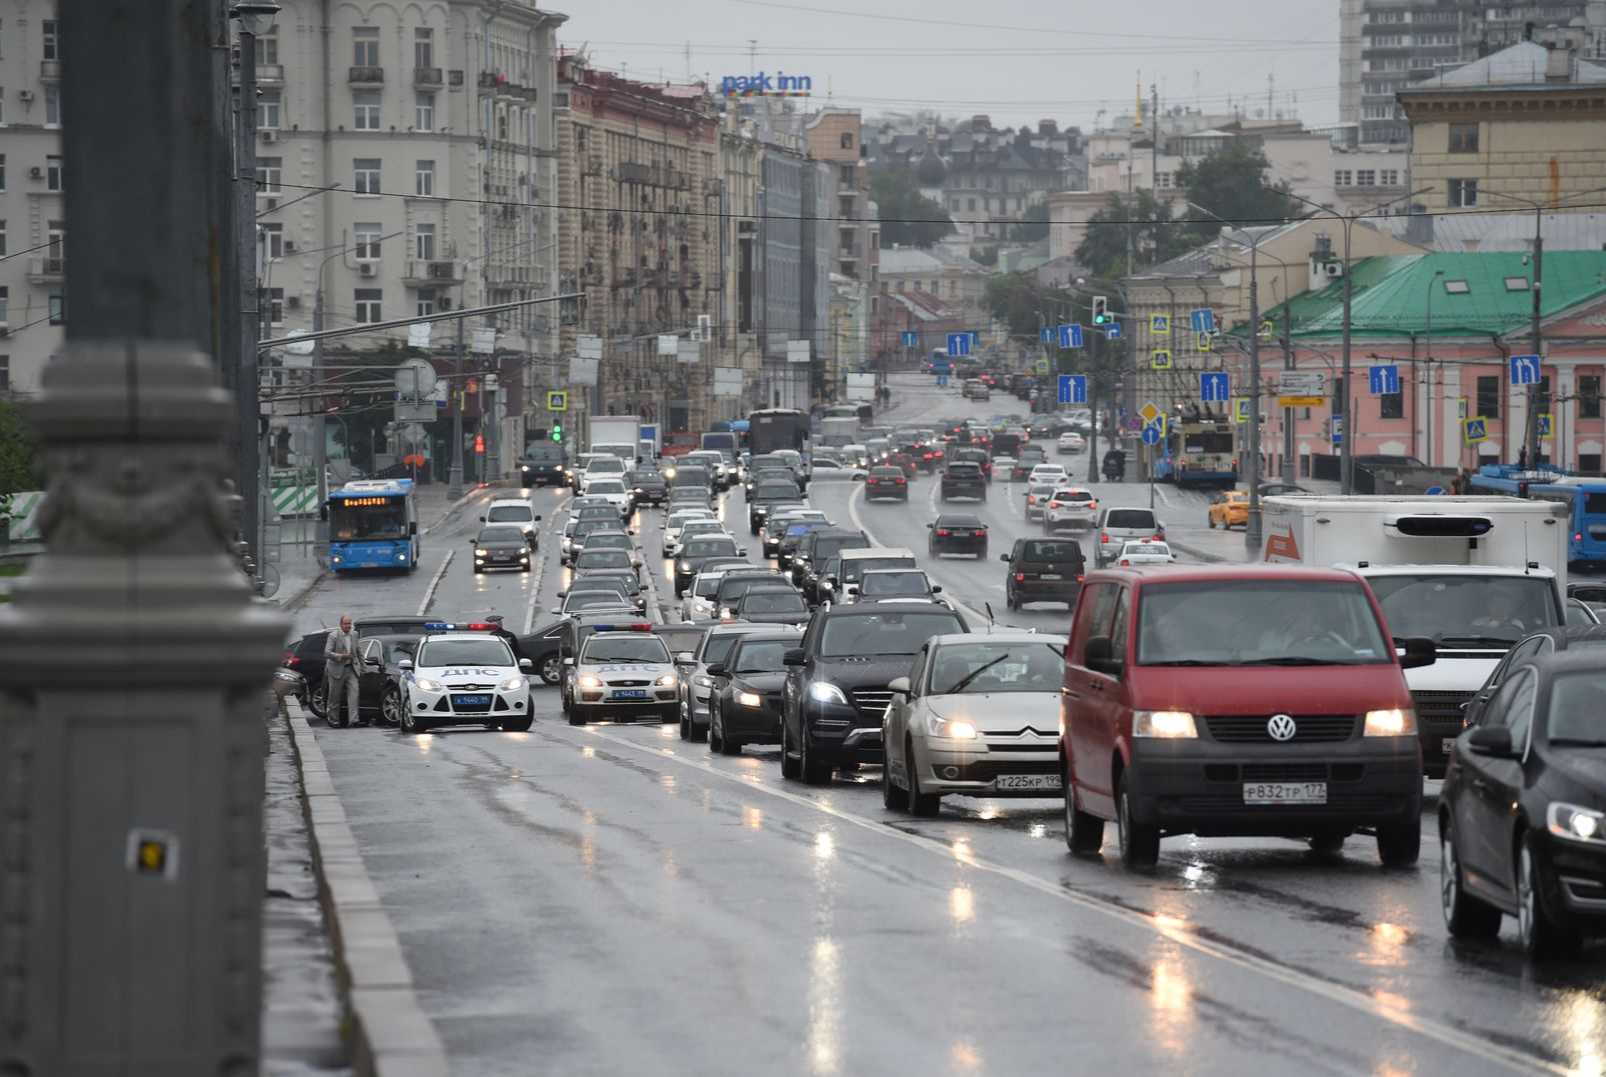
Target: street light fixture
256, 16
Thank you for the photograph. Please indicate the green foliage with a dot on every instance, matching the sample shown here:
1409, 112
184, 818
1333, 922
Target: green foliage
1157, 235
19, 453
908, 218
987, 256
1231, 183
1033, 224
1012, 298
363, 413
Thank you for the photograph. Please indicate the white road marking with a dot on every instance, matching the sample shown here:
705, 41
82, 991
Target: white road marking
976, 616
535, 595
1383, 1007
429, 593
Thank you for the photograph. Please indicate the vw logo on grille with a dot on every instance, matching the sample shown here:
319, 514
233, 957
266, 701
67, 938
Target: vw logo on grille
1281, 727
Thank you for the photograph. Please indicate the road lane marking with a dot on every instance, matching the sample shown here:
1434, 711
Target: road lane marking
1385, 1008
535, 595
429, 593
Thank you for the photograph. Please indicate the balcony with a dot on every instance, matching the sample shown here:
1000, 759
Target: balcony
270, 75
421, 273
49, 70
366, 76
428, 78
47, 270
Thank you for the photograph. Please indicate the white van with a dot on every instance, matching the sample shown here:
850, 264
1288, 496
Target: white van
856, 562
514, 512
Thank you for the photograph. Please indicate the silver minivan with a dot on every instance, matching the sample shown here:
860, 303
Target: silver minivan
1118, 526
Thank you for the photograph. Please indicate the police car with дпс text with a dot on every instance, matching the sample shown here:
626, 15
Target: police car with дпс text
464, 675
623, 671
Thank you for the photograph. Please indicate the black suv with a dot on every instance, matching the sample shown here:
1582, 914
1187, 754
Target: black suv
1043, 570
766, 495
957, 533
963, 479
836, 683
542, 465
813, 549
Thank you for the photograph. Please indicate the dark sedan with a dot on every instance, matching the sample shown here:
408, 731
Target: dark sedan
541, 648
698, 550
500, 547
952, 533
745, 701
588, 561
621, 582
886, 484
1536, 645
647, 488
963, 479
772, 607
1522, 815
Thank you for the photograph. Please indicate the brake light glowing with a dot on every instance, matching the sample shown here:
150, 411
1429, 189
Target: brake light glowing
290, 658
1079, 579
944, 532
1579, 537
902, 481
1019, 576
624, 628
1104, 538
1159, 534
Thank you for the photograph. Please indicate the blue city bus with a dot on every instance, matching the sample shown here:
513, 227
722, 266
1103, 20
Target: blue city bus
1585, 499
373, 524
1198, 452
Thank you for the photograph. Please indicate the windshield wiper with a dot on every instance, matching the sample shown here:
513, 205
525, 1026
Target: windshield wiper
1577, 742
1188, 662
964, 682
1298, 660
1480, 641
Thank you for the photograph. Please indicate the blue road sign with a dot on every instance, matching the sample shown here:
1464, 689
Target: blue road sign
1048, 334
1525, 370
1160, 324
1474, 430
1070, 336
958, 344
1203, 320
1383, 380
1214, 386
1544, 424
1112, 331
1073, 388
1151, 435
1435, 491
911, 339
1338, 430
975, 339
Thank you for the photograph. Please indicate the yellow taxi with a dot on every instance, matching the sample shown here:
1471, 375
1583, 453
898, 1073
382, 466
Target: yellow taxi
1230, 509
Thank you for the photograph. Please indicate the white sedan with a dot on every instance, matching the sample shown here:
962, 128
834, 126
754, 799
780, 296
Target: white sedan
613, 491
677, 521
1145, 552
1070, 506
463, 678
1053, 473
693, 528
1070, 442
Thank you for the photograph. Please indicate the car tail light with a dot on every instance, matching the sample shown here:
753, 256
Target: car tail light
1124, 561
1579, 537
944, 533
1104, 538
1079, 579
1019, 576
290, 658
903, 482
1159, 535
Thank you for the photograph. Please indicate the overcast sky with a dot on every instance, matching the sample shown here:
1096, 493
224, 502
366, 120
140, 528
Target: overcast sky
1017, 61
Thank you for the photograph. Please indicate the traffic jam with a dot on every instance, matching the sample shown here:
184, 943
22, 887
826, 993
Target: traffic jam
1402, 686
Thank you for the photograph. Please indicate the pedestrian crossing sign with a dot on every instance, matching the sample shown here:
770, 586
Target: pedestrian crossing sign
1042, 364
1240, 410
1160, 325
1161, 359
1204, 342
557, 400
1546, 423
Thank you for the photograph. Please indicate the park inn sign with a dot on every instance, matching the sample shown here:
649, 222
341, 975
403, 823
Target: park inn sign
763, 85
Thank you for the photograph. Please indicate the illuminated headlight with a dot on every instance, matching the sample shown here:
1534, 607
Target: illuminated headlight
402, 556
588, 681
726, 613
480, 553
703, 681
514, 684
821, 692
1165, 725
952, 729
336, 559
1576, 823
749, 699
638, 490
667, 680
524, 467
1390, 723
429, 684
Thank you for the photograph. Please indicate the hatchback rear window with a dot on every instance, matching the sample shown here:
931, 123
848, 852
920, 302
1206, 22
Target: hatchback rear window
1140, 518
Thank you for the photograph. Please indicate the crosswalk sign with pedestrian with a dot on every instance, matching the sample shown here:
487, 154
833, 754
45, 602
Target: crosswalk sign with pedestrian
1160, 325
1161, 359
1474, 430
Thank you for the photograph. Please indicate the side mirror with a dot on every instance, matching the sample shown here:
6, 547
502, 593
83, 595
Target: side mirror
717, 671
557, 609
936, 588
473, 542
412, 528
1419, 651
405, 663
741, 551
851, 589
568, 661
526, 664
482, 519
538, 519
1492, 740
1099, 656
684, 658
793, 657
930, 526
372, 661
1003, 557
899, 686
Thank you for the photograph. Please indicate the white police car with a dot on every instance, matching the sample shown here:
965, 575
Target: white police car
464, 675
623, 672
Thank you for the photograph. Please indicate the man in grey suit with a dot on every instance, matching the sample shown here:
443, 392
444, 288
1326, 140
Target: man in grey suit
340, 674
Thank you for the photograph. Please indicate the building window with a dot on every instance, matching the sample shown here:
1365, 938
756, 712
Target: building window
970, 205
5, 305
275, 306
268, 102
367, 175
501, 124
1463, 138
1390, 177
2, 172
424, 112
55, 178
424, 179
1162, 180
426, 302
269, 169
1341, 178
2, 239
52, 49
1366, 177
1488, 397
1589, 463
425, 234
845, 206
1588, 388
365, 110
423, 47
57, 307
366, 303
1463, 193
52, 106
367, 240
267, 48
1393, 405
5, 372
847, 140
272, 239
848, 175
365, 46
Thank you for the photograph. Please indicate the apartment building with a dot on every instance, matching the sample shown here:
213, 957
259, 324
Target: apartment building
835, 139
32, 221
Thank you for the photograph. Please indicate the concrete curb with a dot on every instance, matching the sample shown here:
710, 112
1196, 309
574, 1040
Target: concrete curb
389, 1034
295, 601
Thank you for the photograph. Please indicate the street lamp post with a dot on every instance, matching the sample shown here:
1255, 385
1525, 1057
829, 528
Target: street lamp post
1428, 360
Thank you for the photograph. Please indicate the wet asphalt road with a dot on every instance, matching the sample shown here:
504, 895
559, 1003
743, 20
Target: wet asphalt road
610, 899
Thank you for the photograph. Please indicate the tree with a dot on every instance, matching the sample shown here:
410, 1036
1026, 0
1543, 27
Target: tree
19, 460
364, 412
1156, 235
1231, 183
1021, 304
1033, 224
908, 218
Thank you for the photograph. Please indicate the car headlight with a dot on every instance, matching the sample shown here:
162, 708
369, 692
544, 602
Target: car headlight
1576, 823
667, 680
428, 684
749, 699
479, 553
952, 729
703, 681
514, 684
1164, 725
1396, 722
588, 681
822, 692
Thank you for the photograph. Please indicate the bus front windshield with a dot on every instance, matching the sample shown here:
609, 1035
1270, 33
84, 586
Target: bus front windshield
351, 521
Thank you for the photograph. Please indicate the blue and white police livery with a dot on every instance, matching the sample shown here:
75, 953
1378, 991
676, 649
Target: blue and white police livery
463, 675
623, 673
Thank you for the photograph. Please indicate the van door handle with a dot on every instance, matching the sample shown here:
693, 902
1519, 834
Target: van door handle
1095, 686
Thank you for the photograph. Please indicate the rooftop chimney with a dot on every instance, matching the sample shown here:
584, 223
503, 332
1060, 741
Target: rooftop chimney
1047, 127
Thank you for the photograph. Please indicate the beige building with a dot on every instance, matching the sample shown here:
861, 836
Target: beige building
835, 137
946, 274
1528, 121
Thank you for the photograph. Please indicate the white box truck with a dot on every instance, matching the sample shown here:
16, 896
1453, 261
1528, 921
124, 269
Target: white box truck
616, 434
859, 389
1473, 574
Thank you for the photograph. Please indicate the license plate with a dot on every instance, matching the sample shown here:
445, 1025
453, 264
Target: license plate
1049, 576
629, 693
1285, 792
1045, 782
471, 701
1447, 745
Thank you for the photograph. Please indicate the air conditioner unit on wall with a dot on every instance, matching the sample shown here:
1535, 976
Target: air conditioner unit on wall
268, 136
368, 269
1333, 269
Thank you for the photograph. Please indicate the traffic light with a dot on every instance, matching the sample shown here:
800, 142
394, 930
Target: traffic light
479, 442
1101, 310
557, 431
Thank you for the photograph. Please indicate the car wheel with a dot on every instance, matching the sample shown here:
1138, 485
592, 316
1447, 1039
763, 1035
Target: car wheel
685, 722
390, 707
1084, 833
893, 798
981, 555
1540, 935
315, 702
1465, 916
478, 571
1140, 844
811, 770
1399, 845
410, 722
924, 805
576, 715
551, 670
715, 744
1210, 521
790, 767
519, 725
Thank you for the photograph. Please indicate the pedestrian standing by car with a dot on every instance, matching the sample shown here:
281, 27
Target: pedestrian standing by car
503, 633
340, 674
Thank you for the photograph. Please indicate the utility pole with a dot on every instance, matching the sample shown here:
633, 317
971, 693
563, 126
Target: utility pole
320, 431
1288, 413
454, 477
1093, 401
1252, 526
247, 390
131, 857
1538, 339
